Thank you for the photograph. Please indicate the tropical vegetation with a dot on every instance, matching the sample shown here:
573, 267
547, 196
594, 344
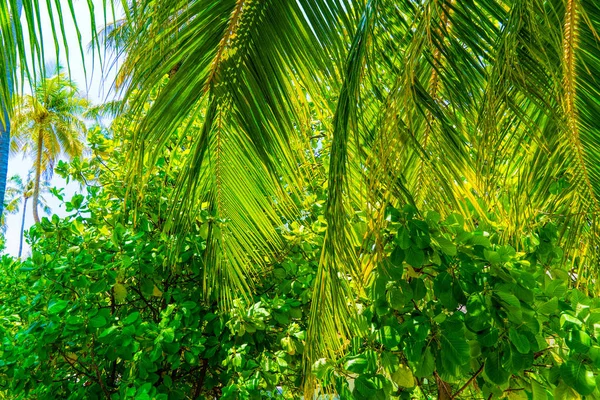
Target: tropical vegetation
18, 195
47, 125
417, 180
448, 313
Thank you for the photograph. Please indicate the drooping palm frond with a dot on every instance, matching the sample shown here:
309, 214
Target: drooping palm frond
22, 58
226, 63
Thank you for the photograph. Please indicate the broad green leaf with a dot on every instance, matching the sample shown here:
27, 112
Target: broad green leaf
579, 341
492, 256
549, 307
454, 352
511, 304
357, 364
120, 292
107, 332
564, 392
403, 377
447, 246
425, 366
494, 370
443, 289
477, 317
519, 341
418, 288
577, 376
399, 295
479, 240
403, 238
131, 318
389, 337
98, 321
56, 306
397, 257
415, 256
538, 390
569, 322
365, 387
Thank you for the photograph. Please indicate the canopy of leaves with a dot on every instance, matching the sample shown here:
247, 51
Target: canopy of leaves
102, 309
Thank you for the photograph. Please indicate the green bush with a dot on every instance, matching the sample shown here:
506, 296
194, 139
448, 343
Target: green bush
110, 306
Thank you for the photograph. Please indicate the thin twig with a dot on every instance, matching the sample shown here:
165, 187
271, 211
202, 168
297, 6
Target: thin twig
459, 391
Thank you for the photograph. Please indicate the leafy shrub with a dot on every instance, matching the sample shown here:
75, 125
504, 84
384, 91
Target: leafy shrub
102, 308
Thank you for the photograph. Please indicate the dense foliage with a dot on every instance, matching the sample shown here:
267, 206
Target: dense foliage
246, 230
109, 306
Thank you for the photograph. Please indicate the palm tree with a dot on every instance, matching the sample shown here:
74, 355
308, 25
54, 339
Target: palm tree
487, 108
18, 193
22, 60
47, 125
12, 199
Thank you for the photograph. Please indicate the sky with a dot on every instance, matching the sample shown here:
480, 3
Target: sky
91, 88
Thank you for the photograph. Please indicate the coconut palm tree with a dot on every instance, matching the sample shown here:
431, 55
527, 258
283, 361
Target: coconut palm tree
18, 194
486, 108
47, 125
22, 59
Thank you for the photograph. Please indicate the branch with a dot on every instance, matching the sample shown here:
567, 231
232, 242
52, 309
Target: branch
98, 375
469, 381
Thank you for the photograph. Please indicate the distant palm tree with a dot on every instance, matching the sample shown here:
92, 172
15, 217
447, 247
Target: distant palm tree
48, 124
22, 57
18, 193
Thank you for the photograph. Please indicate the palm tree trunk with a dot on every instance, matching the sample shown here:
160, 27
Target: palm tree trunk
5, 128
23, 225
38, 177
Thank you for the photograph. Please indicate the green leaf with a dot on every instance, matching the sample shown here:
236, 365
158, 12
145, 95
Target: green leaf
569, 322
454, 351
446, 246
415, 257
492, 256
107, 332
488, 337
520, 341
403, 238
168, 335
403, 377
98, 321
549, 307
365, 387
131, 318
418, 288
538, 391
389, 360
426, 365
389, 337
477, 317
564, 392
511, 304
494, 370
397, 257
75, 320
357, 364
479, 240
399, 295
576, 375
579, 341
442, 287
56, 306
322, 368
